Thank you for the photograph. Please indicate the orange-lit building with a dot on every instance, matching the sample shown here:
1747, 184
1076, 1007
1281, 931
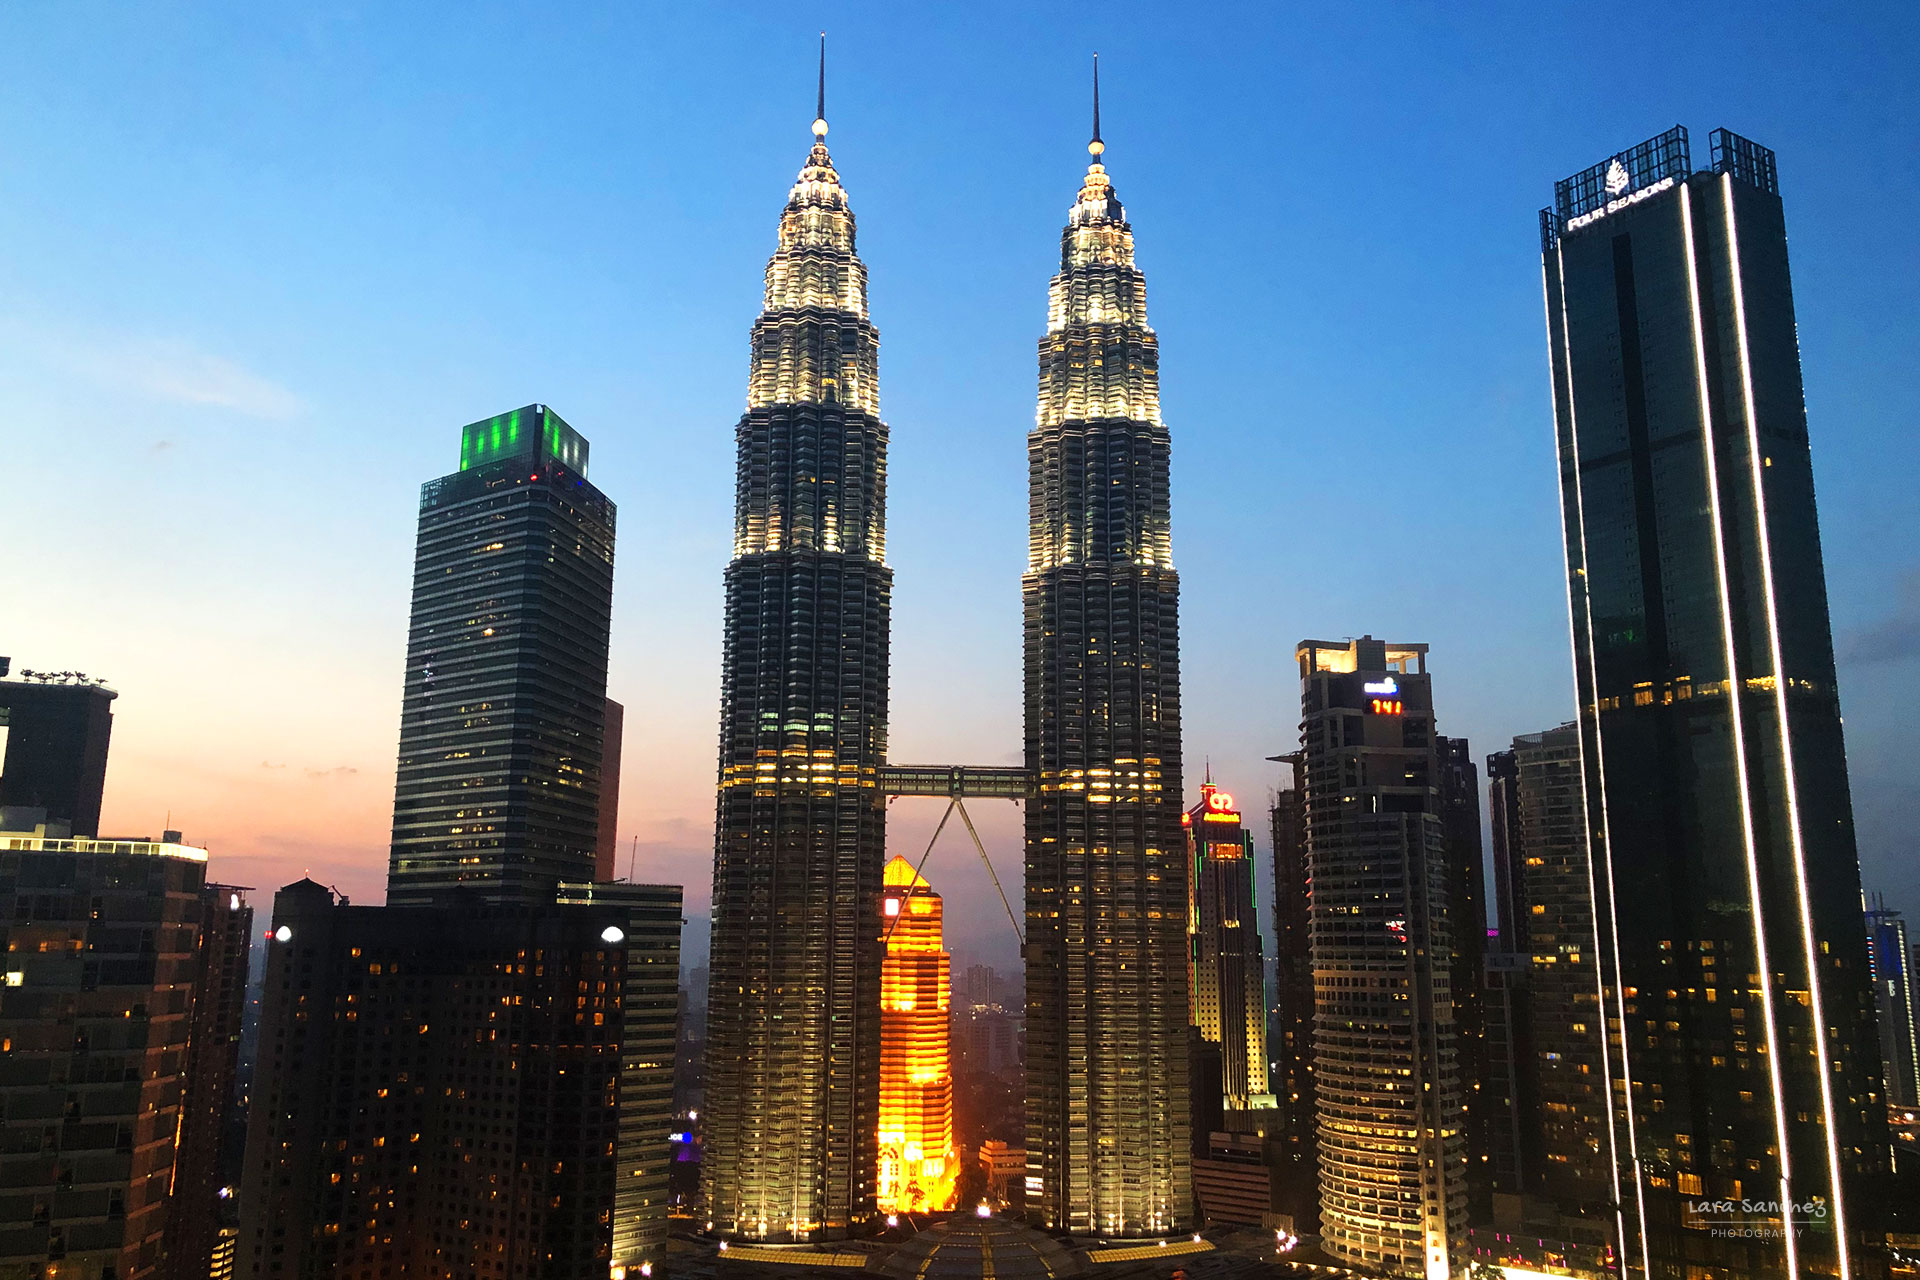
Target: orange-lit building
918, 1166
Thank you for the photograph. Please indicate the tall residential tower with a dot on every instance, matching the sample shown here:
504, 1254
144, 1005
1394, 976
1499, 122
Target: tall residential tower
102, 944
1547, 1114
1732, 946
794, 990
1393, 1160
436, 1092
1108, 1147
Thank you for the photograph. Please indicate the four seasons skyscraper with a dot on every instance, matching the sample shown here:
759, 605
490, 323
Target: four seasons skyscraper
1107, 1120
794, 995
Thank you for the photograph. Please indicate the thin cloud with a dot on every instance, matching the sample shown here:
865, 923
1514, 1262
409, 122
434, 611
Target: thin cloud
338, 771
1894, 637
176, 372
166, 369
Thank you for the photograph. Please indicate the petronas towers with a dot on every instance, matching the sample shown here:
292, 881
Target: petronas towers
800, 843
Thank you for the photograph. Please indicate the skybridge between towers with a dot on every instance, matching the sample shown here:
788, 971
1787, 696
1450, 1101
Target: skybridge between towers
959, 783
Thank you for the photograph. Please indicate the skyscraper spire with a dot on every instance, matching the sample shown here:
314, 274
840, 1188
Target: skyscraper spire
1095, 146
820, 104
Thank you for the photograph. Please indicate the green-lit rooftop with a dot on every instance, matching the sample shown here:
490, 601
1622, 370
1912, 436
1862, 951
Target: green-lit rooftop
533, 431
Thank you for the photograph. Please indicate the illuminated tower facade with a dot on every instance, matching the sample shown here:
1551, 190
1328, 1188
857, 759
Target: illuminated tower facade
1732, 946
800, 840
918, 1165
1393, 1157
1227, 971
1108, 1147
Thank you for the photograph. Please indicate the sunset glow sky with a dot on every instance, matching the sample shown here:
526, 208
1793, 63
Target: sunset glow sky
259, 264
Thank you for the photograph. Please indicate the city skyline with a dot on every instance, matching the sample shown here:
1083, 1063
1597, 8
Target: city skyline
308, 790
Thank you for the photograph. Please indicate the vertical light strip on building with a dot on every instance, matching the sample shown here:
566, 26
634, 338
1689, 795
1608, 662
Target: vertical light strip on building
1735, 686
1763, 540
1606, 835
1580, 742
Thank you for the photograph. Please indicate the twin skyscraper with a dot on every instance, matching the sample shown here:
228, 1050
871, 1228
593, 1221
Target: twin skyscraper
800, 845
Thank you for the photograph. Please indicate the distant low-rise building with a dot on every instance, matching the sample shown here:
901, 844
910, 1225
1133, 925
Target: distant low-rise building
1005, 1168
1232, 1182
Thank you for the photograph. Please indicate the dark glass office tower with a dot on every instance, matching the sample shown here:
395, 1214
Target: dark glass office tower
794, 997
506, 687
1393, 1194
1716, 787
57, 728
1107, 1115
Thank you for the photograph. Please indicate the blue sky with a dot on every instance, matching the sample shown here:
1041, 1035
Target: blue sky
259, 263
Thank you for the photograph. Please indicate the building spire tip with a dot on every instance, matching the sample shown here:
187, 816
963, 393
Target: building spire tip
1095, 147
820, 103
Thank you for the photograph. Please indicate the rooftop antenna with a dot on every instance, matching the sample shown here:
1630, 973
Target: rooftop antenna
633, 857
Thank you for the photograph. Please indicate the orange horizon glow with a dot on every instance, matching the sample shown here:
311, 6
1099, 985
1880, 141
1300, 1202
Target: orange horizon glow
918, 1165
